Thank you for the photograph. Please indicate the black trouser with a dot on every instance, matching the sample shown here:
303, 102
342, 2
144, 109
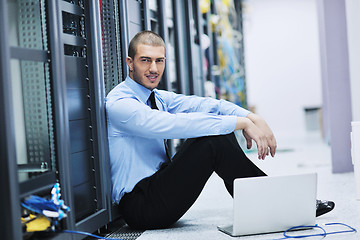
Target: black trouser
160, 200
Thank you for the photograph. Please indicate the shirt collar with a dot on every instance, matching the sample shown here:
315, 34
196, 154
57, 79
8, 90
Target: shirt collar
141, 92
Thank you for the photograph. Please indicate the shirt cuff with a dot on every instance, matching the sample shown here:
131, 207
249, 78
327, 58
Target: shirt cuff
243, 112
228, 124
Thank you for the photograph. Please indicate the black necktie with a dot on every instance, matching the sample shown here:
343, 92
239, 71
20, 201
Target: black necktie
152, 101
154, 106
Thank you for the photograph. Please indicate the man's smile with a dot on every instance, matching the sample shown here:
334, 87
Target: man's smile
152, 77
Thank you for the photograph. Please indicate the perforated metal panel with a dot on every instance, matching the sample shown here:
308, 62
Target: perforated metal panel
32, 24
37, 102
36, 86
111, 44
125, 233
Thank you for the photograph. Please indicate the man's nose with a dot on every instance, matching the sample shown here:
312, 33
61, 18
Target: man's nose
153, 67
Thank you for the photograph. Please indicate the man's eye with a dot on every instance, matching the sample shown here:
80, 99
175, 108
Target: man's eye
160, 60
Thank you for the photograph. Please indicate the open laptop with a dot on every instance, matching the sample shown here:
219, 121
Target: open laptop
273, 204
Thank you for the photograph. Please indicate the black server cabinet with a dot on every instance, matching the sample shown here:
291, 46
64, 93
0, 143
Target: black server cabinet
32, 95
52, 109
28, 137
87, 185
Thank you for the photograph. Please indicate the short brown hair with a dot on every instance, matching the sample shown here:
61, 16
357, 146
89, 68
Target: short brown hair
145, 37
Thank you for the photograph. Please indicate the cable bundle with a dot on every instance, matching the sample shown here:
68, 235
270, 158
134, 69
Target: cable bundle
54, 209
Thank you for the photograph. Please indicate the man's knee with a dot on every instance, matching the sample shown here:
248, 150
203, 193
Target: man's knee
225, 137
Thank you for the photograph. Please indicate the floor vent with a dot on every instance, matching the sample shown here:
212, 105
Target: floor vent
125, 233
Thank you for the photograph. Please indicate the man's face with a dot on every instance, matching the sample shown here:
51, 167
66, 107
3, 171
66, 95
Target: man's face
147, 66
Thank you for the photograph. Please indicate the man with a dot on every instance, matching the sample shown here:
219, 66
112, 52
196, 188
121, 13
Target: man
152, 190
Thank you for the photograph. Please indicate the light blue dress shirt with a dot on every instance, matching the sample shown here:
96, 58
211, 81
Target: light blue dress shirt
136, 132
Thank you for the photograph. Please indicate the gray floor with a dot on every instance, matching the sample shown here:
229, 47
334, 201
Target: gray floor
296, 155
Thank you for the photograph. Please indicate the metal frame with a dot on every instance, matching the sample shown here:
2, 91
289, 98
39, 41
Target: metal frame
28, 54
197, 87
213, 49
60, 119
112, 52
45, 180
189, 41
210, 50
102, 130
239, 10
147, 15
181, 49
99, 92
11, 226
100, 218
125, 33
164, 34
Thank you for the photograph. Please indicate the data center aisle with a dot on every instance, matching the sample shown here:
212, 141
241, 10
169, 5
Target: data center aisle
296, 155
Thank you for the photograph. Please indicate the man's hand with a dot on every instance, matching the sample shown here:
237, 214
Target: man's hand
269, 135
255, 128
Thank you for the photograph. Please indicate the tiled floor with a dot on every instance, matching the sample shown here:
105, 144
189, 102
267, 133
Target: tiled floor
296, 155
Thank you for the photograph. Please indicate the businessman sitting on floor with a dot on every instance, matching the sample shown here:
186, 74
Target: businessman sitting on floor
152, 189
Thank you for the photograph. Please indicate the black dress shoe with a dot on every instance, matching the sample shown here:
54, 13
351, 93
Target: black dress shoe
323, 207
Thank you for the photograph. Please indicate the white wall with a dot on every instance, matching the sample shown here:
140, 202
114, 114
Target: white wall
282, 61
353, 20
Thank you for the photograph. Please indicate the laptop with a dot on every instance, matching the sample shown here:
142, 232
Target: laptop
273, 204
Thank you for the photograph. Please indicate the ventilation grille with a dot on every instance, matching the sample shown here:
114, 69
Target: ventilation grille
125, 233
111, 45
36, 85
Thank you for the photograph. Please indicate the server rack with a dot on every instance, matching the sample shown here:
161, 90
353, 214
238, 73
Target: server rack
111, 44
55, 99
227, 51
74, 57
31, 93
30, 104
84, 120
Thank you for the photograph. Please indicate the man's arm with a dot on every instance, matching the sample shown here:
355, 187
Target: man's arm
255, 128
129, 116
182, 103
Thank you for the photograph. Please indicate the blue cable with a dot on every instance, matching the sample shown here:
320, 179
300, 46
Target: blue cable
89, 234
286, 236
324, 234
343, 224
305, 236
38, 205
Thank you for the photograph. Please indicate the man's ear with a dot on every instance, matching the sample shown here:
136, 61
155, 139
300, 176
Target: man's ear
129, 62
